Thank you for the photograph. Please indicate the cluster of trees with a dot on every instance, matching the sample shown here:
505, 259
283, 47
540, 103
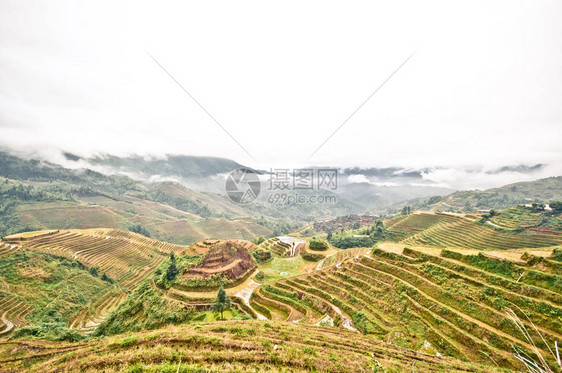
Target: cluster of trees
259, 240
406, 210
318, 244
167, 274
363, 237
556, 207
13, 194
344, 240
489, 215
94, 271
157, 194
498, 201
138, 228
434, 199
278, 227
261, 255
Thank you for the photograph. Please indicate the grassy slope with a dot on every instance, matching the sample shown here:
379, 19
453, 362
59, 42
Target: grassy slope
42, 289
241, 346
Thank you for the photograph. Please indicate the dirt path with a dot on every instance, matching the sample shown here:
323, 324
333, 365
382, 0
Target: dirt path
245, 295
211, 294
243, 290
9, 325
492, 224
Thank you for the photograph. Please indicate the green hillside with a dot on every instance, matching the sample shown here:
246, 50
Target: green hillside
471, 232
538, 191
40, 294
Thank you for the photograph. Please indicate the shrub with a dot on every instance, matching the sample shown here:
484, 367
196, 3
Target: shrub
94, 271
50, 331
262, 255
258, 240
128, 341
557, 254
318, 244
260, 276
451, 254
345, 241
312, 257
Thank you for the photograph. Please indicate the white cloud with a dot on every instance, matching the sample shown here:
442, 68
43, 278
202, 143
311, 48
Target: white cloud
357, 179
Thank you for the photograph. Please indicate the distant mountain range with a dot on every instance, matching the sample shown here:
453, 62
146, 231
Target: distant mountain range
178, 166
203, 174
182, 199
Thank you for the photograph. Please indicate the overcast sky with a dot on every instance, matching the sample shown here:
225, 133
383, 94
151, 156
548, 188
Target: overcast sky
482, 90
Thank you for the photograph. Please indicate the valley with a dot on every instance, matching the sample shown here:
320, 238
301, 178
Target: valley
104, 272
447, 291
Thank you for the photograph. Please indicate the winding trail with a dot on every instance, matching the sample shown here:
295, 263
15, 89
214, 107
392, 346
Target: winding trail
245, 295
9, 325
243, 291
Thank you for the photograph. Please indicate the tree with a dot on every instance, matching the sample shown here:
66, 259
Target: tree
406, 210
172, 271
222, 303
94, 271
556, 206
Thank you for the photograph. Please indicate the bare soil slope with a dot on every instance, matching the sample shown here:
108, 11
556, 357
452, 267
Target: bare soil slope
229, 258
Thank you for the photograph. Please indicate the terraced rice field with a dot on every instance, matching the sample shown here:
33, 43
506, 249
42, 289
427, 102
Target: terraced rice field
341, 255
449, 304
89, 318
276, 246
234, 346
125, 256
444, 230
13, 310
516, 217
8, 248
